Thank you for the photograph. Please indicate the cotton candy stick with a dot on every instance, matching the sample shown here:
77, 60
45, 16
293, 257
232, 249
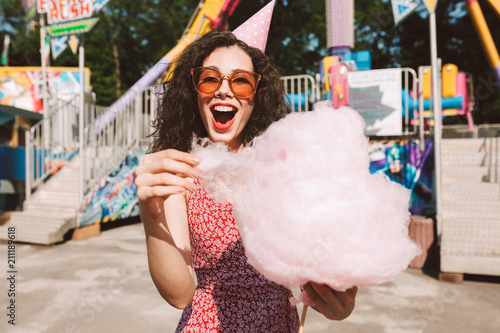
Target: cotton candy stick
303, 319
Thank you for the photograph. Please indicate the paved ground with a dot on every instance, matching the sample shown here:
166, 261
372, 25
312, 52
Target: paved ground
103, 285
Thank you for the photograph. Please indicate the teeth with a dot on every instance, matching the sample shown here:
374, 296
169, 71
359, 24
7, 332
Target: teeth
221, 108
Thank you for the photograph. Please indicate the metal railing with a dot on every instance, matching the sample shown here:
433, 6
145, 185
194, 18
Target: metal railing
43, 157
104, 147
464, 132
55, 139
149, 105
302, 91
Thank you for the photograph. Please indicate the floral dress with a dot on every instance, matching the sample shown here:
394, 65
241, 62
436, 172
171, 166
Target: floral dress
231, 295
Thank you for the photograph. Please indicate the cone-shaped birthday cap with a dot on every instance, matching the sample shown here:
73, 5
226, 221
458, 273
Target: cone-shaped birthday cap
255, 30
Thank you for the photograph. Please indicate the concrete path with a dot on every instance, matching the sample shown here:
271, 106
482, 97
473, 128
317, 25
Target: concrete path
103, 285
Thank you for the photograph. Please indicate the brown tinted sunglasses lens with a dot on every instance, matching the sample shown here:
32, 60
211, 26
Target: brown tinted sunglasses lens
243, 83
207, 81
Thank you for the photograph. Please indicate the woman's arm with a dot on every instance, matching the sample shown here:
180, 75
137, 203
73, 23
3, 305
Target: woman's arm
161, 182
169, 252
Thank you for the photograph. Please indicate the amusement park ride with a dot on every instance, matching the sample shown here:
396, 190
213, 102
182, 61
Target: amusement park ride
75, 185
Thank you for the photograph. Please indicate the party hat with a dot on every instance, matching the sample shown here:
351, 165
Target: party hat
255, 30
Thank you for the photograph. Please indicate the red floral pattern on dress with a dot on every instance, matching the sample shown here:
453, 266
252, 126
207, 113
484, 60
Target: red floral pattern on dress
231, 295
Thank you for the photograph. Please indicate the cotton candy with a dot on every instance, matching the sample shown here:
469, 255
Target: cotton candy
306, 205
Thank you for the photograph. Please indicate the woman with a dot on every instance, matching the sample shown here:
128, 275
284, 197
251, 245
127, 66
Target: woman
225, 90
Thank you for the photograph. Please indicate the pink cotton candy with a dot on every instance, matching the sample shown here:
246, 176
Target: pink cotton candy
306, 205
304, 298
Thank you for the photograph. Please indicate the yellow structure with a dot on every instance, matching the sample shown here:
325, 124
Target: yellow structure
427, 83
484, 32
449, 78
431, 5
328, 62
496, 5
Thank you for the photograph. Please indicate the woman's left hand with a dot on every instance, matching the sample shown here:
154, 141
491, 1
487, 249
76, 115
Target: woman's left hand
333, 304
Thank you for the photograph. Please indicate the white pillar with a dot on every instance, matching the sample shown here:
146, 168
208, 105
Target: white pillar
46, 108
81, 53
436, 96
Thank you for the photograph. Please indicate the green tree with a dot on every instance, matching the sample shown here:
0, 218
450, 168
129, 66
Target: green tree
24, 43
130, 37
374, 31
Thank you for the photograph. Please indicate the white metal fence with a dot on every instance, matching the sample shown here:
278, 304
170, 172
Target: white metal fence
51, 141
302, 91
105, 147
55, 139
479, 131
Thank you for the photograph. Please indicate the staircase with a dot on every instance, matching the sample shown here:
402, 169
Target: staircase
52, 206
51, 211
470, 241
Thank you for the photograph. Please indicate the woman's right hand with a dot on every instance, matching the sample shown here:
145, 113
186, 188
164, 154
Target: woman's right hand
161, 179
162, 174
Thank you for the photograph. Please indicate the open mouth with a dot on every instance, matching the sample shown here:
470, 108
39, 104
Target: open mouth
223, 116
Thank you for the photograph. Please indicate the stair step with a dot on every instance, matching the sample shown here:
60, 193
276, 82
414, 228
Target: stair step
491, 145
67, 179
471, 227
55, 196
68, 173
470, 246
74, 172
39, 221
470, 264
58, 184
470, 159
46, 208
471, 191
486, 209
476, 174
102, 152
29, 234
59, 188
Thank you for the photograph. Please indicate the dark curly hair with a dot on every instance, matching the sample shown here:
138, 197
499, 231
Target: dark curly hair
178, 116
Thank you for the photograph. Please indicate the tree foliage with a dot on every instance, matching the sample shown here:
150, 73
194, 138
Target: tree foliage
132, 36
24, 45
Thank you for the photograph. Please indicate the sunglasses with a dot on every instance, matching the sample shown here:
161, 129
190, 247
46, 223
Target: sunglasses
208, 80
